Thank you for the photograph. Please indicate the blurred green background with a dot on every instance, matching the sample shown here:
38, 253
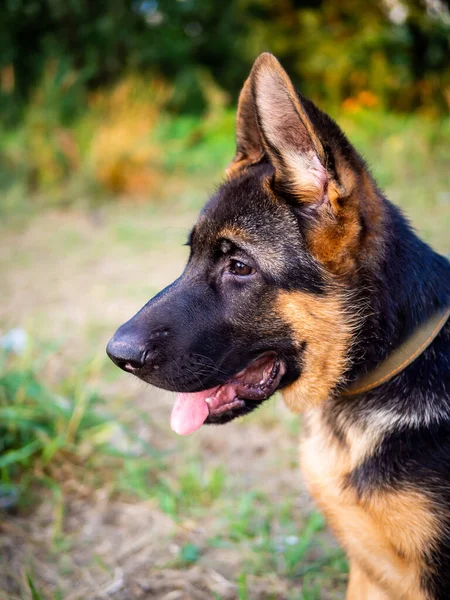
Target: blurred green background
116, 121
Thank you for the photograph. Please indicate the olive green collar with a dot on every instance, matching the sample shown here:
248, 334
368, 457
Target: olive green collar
400, 358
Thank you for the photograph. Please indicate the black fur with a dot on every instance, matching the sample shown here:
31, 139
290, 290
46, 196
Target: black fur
409, 284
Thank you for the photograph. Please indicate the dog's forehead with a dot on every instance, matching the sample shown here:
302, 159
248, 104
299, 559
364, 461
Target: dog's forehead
247, 212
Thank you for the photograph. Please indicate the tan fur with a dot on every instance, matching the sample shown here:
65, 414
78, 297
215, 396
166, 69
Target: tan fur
383, 533
321, 322
361, 588
334, 241
335, 238
234, 234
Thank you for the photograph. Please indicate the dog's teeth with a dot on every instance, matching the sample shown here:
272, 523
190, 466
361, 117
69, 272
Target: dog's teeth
208, 400
262, 381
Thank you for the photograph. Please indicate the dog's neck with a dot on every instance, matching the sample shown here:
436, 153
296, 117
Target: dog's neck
410, 285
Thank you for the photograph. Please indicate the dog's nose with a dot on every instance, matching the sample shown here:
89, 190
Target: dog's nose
126, 353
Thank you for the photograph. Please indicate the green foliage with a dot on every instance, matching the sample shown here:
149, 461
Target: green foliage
251, 517
199, 489
189, 553
295, 552
242, 586
311, 591
47, 431
103, 99
396, 50
95, 40
191, 144
35, 593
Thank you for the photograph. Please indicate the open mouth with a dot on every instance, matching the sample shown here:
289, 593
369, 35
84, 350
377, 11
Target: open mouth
238, 395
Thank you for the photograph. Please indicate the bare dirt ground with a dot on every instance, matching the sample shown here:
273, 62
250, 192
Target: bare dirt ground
74, 277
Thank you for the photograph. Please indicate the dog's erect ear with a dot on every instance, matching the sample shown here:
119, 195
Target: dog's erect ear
249, 145
313, 164
288, 135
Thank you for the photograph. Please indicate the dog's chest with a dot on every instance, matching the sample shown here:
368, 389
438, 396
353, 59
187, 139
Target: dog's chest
384, 532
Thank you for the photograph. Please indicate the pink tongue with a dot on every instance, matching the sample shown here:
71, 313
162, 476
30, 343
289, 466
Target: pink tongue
190, 412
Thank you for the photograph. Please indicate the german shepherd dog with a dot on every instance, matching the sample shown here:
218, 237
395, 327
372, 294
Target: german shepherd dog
304, 278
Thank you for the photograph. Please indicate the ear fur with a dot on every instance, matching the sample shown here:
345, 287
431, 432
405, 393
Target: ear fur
288, 135
249, 145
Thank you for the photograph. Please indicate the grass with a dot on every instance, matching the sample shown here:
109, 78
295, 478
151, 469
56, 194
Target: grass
58, 434
99, 498
61, 442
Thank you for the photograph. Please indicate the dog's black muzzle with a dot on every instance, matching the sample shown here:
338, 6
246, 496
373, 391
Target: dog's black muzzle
176, 340
137, 345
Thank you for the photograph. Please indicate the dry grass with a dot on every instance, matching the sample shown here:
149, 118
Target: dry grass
125, 159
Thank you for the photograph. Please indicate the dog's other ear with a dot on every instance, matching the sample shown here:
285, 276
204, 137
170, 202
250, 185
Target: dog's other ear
288, 135
249, 145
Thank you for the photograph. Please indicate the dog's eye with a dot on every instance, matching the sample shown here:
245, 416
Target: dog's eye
239, 268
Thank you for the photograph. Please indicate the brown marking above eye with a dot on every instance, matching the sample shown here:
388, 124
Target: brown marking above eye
233, 234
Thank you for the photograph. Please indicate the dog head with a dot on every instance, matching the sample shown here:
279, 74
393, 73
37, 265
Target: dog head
262, 302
